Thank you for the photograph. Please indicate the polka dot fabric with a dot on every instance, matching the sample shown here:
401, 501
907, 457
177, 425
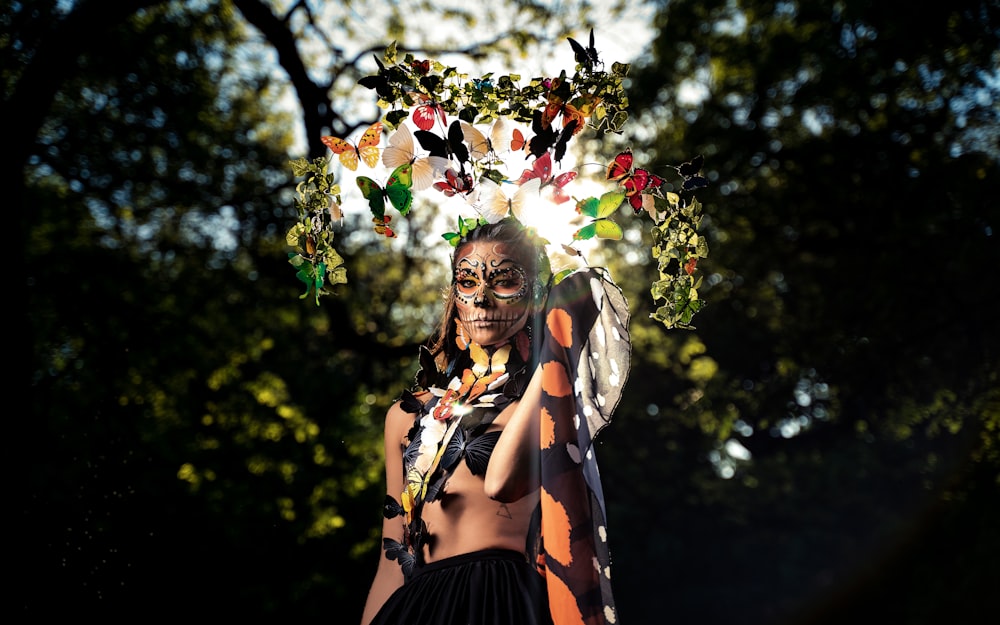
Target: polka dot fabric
584, 355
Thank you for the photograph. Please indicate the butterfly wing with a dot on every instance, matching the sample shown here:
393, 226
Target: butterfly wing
490, 201
397, 188
602, 207
426, 170
432, 142
425, 115
479, 145
524, 194
368, 146
456, 139
517, 141
692, 167
400, 149
373, 193
347, 153
621, 167
636, 183
607, 229
478, 451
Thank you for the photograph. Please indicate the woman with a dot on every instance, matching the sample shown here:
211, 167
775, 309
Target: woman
494, 511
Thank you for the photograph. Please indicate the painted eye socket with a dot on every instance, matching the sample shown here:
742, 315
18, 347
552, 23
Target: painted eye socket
509, 284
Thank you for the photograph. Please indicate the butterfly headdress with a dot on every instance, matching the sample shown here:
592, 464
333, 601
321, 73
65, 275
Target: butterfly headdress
465, 135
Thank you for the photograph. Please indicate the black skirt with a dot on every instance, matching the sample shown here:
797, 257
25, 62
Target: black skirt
489, 587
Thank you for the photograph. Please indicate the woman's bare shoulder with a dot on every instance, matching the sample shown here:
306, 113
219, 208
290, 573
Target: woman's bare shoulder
397, 418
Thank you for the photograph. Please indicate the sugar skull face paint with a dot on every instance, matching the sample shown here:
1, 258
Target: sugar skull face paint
491, 292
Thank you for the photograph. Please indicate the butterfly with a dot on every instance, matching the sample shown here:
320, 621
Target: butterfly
422, 67
365, 150
587, 57
634, 181
397, 190
494, 205
480, 145
394, 550
382, 226
452, 146
428, 112
557, 104
548, 136
542, 169
391, 508
454, 183
379, 82
600, 211
517, 141
401, 151
465, 225
477, 451
691, 171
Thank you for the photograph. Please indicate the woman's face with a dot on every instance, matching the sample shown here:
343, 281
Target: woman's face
491, 292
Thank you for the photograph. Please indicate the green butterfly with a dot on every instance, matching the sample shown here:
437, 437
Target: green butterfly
465, 225
600, 211
397, 190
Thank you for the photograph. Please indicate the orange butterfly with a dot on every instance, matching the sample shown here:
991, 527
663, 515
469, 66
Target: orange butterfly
366, 150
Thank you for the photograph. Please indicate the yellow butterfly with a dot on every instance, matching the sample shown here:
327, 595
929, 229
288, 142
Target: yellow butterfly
366, 149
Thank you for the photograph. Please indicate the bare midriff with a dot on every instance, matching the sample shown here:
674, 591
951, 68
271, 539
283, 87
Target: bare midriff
463, 519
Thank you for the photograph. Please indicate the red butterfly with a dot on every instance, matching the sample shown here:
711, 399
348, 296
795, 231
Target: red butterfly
382, 226
542, 169
427, 112
454, 182
636, 182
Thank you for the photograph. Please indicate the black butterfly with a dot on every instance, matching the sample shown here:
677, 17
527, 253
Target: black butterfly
547, 137
453, 146
409, 403
691, 171
391, 508
413, 449
379, 82
476, 450
394, 550
588, 56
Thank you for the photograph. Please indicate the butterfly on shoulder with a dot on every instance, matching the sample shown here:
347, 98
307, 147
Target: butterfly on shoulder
600, 210
396, 190
402, 150
365, 150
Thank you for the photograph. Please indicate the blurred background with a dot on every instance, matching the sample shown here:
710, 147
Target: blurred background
821, 448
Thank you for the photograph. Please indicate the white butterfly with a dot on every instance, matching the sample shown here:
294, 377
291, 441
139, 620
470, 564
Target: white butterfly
481, 146
401, 151
492, 203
